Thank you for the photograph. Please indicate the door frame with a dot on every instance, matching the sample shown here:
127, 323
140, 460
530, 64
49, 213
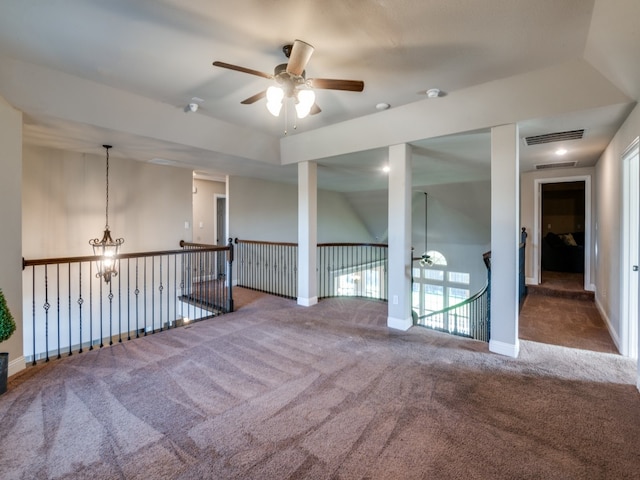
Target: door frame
537, 225
629, 306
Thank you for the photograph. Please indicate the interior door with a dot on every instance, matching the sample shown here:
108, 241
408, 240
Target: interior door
631, 251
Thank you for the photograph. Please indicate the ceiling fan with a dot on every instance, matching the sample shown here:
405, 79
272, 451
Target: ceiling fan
291, 82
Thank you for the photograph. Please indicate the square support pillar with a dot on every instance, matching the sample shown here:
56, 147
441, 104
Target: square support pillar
307, 233
505, 238
11, 220
399, 270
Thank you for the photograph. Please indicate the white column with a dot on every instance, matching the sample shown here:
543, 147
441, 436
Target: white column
505, 238
11, 221
307, 233
399, 272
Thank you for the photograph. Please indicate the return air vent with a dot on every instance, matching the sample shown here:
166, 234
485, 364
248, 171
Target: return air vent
546, 166
554, 137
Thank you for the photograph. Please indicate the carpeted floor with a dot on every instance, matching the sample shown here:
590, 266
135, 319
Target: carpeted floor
277, 391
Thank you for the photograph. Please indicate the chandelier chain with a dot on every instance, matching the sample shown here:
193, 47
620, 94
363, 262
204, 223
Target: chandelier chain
106, 214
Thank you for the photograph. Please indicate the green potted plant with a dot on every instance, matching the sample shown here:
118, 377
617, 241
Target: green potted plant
7, 327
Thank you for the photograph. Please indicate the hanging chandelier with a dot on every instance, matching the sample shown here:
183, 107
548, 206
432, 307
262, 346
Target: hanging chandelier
107, 248
426, 260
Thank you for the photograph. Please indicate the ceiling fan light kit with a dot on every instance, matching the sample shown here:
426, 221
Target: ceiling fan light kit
274, 100
291, 82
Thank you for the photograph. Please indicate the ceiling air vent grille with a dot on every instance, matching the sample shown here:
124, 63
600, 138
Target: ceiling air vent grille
545, 166
555, 137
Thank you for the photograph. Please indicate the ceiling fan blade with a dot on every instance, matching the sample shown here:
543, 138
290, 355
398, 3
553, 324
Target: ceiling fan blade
332, 84
242, 69
314, 109
300, 55
254, 98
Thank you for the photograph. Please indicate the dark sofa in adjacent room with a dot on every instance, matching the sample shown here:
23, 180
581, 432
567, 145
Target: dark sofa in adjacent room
563, 252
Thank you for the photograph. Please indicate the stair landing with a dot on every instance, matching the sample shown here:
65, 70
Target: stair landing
559, 284
560, 312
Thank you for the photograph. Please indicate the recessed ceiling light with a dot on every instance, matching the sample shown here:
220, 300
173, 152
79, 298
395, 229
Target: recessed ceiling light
433, 93
382, 106
386, 169
561, 151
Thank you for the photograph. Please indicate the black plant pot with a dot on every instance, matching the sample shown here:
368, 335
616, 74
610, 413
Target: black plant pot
4, 371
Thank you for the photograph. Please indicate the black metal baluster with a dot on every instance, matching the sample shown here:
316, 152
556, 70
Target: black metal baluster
183, 261
101, 316
188, 284
137, 294
80, 302
33, 311
90, 305
110, 297
128, 299
168, 293
69, 293
47, 305
291, 272
58, 306
175, 284
120, 306
153, 294
160, 291
144, 295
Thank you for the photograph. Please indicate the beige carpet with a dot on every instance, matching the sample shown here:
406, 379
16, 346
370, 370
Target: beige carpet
277, 391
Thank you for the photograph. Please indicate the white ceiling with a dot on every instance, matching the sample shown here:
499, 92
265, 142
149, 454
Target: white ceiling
162, 51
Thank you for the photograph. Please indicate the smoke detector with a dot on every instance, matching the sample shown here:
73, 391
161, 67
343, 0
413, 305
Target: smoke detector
193, 105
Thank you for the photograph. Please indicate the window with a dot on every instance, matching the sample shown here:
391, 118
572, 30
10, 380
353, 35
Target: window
459, 277
435, 288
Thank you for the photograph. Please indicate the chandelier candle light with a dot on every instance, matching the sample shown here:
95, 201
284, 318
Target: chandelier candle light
107, 248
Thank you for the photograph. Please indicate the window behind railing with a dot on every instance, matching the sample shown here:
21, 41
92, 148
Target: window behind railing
68, 309
344, 269
441, 300
353, 270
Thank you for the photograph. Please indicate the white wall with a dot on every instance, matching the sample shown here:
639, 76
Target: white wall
268, 211
459, 226
527, 211
608, 215
64, 203
204, 221
10, 219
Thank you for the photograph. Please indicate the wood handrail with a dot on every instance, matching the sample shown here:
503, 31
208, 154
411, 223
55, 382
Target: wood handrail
289, 244
96, 258
200, 245
347, 244
260, 242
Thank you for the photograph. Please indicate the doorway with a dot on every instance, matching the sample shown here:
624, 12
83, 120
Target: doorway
220, 212
630, 251
580, 229
562, 219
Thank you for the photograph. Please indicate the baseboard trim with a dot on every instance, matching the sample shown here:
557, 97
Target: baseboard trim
307, 302
403, 324
530, 281
607, 322
507, 349
17, 365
